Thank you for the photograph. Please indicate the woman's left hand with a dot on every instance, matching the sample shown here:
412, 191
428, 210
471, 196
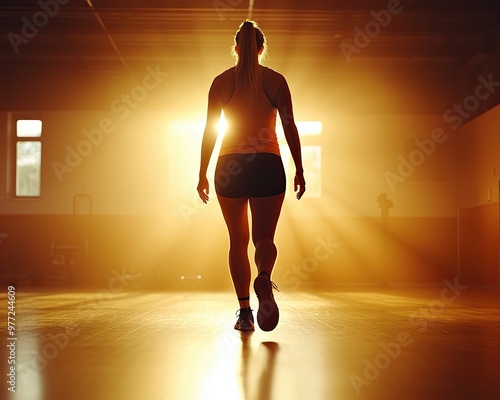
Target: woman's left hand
299, 185
203, 189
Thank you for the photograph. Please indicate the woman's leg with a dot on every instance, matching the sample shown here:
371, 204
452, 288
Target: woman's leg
265, 215
235, 214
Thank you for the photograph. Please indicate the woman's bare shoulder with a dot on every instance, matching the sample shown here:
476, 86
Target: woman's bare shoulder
274, 83
225, 76
223, 85
272, 74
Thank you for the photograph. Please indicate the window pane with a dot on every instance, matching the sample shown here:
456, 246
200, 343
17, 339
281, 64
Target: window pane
28, 168
305, 128
29, 128
309, 128
311, 160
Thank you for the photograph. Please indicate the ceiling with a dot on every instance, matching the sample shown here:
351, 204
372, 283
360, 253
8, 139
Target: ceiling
107, 34
106, 37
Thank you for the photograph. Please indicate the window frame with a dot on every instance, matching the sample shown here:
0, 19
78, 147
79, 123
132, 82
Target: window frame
11, 167
314, 140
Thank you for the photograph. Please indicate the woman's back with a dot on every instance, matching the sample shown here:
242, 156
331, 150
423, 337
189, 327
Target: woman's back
251, 96
251, 125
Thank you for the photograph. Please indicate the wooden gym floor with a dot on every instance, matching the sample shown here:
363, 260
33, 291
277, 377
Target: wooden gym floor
434, 343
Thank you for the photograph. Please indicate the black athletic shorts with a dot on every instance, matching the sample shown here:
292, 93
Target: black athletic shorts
249, 175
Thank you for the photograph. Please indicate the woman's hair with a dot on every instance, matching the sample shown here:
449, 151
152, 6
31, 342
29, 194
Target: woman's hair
250, 40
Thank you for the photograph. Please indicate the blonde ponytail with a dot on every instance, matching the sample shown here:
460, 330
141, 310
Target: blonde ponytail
250, 40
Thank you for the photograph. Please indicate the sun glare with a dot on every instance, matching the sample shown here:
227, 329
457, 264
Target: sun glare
182, 135
222, 125
305, 128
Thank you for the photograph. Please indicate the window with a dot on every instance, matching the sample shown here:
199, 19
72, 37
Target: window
310, 137
28, 158
183, 157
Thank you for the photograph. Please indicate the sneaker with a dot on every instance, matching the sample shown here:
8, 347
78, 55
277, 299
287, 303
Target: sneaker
245, 320
268, 314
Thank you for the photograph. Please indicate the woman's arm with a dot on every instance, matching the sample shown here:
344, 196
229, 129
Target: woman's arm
209, 139
284, 105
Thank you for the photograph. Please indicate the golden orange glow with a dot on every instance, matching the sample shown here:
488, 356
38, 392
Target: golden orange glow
222, 125
224, 362
305, 128
183, 135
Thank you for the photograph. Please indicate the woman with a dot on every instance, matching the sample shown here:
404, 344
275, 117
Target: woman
249, 169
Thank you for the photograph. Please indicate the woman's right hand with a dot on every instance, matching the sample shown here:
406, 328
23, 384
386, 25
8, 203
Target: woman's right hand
299, 184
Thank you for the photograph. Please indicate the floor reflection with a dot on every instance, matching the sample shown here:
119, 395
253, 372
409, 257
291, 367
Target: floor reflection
243, 372
257, 368
246, 358
182, 346
268, 351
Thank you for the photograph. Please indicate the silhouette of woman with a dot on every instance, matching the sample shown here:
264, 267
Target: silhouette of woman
249, 168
